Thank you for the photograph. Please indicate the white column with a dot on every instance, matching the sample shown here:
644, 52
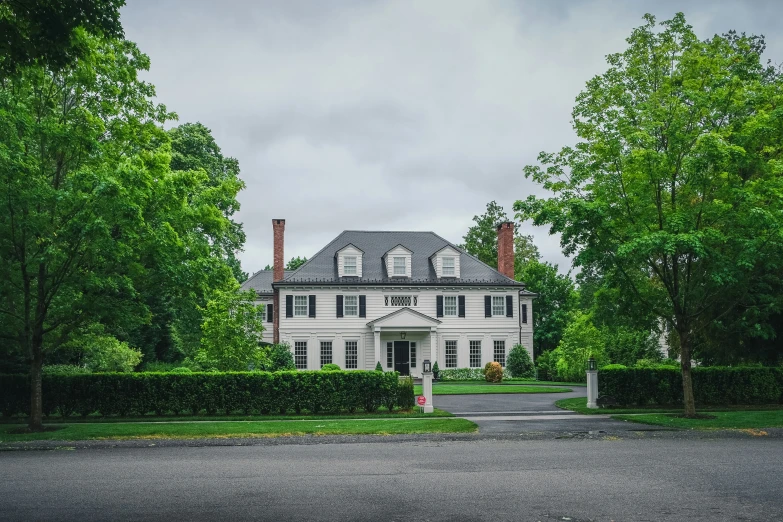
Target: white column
426, 390
434, 346
378, 349
592, 388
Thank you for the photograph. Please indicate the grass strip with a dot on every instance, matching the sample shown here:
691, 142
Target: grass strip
487, 388
722, 420
579, 404
249, 429
382, 414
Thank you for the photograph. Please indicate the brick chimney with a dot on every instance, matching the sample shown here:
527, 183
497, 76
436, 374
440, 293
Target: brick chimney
278, 230
506, 249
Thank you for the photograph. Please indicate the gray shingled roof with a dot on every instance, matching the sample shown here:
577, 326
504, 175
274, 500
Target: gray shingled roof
322, 267
261, 281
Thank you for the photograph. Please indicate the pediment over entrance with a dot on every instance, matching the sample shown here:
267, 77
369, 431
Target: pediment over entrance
405, 318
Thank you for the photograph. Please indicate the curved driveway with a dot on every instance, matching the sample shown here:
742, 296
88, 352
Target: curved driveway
523, 412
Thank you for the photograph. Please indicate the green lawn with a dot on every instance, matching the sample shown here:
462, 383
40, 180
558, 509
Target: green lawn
723, 420
477, 389
230, 429
579, 404
380, 414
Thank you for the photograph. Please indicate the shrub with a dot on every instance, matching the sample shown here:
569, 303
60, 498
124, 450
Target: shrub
107, 354
378, 367
493, 372
64, 369
181, 369
279, 358
519, 363
435, 368
405, 398
614, 367
467, 374
711, 385
231, 392
331, 367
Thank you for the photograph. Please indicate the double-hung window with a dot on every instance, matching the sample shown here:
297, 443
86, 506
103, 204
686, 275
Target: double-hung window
451, 354
351, 355
351, 305
399, 266
300, 306
498, 305
475, 354
349, 265
450, 305
500, 352
448, 267
326, 353
300, 355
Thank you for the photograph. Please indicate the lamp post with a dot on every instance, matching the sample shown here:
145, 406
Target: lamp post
592, 383
426, 386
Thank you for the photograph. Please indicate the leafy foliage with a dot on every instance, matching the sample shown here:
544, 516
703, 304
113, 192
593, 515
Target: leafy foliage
331, 367
279, 358
481, 239
519, 363
675, 189
493, 372
467, 374
581, 340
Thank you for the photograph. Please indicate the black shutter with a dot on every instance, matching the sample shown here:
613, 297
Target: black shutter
524, 314
487, 306
289, 306
362, 306
509, 306
439, 305
312, 305
461, 299
339, 306
270, 312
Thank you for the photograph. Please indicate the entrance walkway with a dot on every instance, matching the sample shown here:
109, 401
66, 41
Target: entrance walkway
516, 413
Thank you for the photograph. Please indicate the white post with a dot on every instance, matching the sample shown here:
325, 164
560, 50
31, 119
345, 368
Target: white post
426, 389
592, 388
377, 342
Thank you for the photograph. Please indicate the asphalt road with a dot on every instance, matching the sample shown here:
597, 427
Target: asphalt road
607, 478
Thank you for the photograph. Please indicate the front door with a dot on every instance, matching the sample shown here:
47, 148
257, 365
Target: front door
402, 357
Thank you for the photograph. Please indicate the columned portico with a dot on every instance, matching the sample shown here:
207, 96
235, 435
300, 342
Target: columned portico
403, 339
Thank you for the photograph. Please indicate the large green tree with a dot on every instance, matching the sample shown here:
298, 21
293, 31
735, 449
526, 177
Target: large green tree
481, 240
675, 184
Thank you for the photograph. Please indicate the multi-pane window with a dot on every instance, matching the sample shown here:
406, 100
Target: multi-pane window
448, 266
475, 354
413, 355
498, 305
500, 352
399, 266
300, 355
300, 306
524, 313
326, 353
349, 265
351, 355
450, 305
351, 305
389, 355
451, 354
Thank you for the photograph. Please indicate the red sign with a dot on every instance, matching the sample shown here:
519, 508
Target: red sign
421, 400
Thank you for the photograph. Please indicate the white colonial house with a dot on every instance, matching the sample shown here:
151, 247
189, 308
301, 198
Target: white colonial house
396, 298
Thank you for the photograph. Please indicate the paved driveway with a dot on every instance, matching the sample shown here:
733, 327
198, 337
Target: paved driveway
520, 412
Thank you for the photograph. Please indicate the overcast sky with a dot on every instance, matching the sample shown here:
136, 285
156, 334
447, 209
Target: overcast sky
392, 115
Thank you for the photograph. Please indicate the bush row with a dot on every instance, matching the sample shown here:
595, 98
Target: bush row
284, 392
711, 385
467, 374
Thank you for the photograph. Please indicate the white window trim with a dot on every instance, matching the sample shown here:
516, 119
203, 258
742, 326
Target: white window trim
307, 306
354, 266
456, 306
395, 266
503, 300
453, 266
345, 305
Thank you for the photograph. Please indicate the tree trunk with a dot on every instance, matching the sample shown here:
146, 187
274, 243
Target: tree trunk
687, 381
36, 396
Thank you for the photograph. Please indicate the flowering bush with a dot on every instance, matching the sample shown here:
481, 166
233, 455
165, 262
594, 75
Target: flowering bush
467, 374
493, 372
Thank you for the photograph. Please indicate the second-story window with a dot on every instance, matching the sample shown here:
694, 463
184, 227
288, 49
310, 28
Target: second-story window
300, 306
399, 266
498, 305
450, 305
448, 267
349, 265
351, 305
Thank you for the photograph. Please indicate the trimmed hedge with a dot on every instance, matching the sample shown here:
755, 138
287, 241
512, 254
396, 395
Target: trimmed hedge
137, 394
711, 385
467, 374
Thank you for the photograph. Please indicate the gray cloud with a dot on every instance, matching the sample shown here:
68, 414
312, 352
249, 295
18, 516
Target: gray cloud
392, 114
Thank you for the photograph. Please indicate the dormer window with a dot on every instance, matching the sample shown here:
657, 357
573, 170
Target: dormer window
448, 267
349, 265
399, 266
